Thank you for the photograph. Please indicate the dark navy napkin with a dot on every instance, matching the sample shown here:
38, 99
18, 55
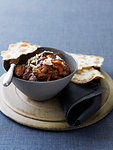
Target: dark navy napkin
81, 101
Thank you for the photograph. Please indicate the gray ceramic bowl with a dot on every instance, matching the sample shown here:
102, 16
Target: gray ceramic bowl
43, 90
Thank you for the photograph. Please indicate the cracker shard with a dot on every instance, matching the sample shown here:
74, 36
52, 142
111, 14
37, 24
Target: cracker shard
88, 61
86, 75
16, 50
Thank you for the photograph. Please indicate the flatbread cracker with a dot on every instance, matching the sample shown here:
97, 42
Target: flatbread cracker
86, 75
88, 61
16, 50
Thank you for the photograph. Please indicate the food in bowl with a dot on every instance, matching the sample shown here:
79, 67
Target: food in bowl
44, 66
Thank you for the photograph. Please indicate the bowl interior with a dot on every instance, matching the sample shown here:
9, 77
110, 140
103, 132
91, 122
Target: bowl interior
64, 55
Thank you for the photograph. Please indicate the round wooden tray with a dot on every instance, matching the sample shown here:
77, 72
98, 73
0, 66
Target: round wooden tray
47, 115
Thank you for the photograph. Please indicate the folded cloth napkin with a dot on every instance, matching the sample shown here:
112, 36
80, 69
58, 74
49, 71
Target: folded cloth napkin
81, 101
